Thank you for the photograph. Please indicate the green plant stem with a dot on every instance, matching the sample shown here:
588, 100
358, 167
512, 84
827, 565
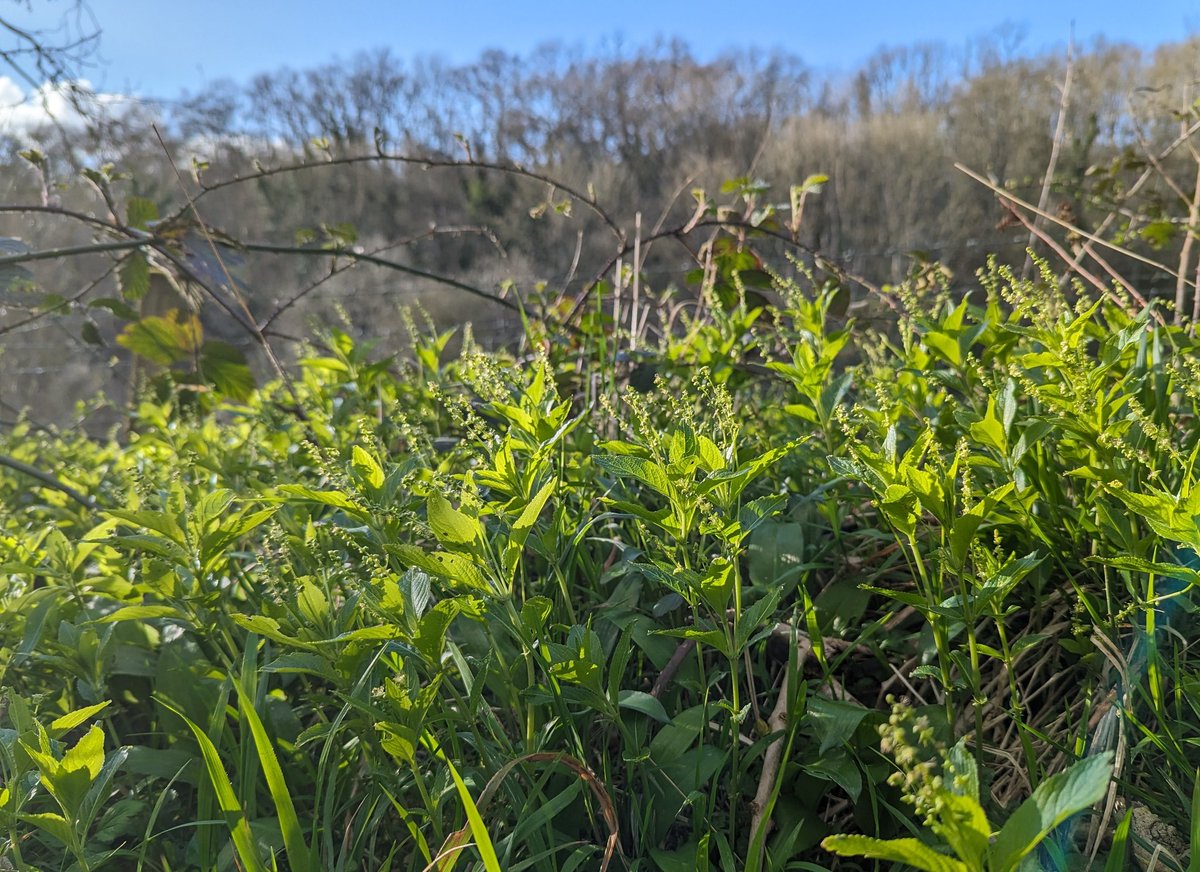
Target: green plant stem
937, 627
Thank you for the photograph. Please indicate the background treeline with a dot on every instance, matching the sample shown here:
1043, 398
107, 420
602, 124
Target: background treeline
639, 129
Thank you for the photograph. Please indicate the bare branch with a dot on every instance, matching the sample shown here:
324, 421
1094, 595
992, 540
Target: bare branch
48, 480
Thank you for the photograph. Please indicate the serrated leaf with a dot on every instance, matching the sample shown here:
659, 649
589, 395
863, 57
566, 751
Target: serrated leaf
534, 613
164, 340
335, 499
87, 754
134, 276
262, 625
646, 471
458, 569
910, 851
522, 526
224, 367
54, 824
312, 603
119, 308
140, 212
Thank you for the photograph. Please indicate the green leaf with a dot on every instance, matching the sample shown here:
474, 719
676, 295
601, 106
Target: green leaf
87, 754
753, 618
483, 842
139, 613
299, 857
1054, 800
648, 705
646, 471
776, 552
312, 603
909, 851
1194, 835
335, 499
71, 720
367, 467
235, 818
989, 431
140, 212
159, 522
90, 333
431, 631
962, 765
834, 721
449, 525
224, 367
838, 767
134, 276
713, 638
534, 613
267, 627
119, 308
457, 569
1119, 851
164, 340
54, 824
899, 506
965, 827
522, 526
68, 779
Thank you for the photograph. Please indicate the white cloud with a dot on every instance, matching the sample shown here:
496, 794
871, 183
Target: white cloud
22, 112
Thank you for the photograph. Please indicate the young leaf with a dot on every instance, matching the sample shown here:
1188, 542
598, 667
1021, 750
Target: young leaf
910, 851
522, 526
73, 719
367, 467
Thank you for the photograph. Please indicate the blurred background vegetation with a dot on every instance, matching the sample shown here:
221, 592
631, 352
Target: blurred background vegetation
639, 129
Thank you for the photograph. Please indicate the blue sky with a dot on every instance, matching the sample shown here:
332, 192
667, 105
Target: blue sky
159, 47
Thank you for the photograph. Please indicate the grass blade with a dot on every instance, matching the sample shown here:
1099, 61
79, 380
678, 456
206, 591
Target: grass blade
482, 840
299, 857
239, 827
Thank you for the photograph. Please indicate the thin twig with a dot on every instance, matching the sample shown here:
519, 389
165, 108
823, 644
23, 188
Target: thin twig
58, 307
1067, 225
426, 163
73, 251
48, 480
251, 324
1060, 130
